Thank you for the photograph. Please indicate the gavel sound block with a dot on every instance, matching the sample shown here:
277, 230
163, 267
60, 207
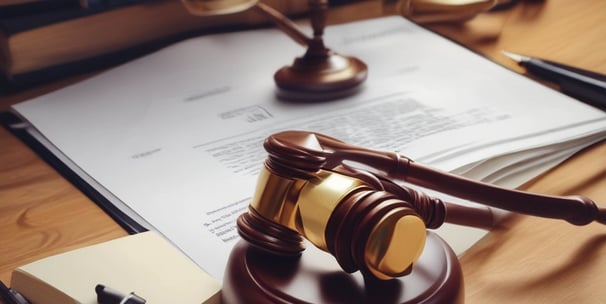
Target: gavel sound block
256, 276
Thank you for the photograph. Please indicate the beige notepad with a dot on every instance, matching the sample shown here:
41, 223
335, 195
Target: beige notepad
144, 263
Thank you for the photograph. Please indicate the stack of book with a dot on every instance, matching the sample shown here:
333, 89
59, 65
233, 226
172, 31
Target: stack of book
45, 40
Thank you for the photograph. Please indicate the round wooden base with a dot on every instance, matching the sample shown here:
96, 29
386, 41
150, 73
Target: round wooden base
320, 78
254, 276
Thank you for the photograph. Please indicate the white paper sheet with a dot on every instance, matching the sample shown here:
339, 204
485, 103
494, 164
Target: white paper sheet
176, 136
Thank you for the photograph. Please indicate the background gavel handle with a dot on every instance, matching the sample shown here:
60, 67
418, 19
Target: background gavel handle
283, 23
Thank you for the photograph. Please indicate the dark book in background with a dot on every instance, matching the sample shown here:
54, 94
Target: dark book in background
55, 44
40, 12
9, 9
26, 18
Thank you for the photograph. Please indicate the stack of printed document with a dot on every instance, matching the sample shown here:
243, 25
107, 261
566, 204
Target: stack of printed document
174, 139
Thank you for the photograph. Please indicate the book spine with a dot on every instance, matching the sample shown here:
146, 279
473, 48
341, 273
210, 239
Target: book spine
177, 25
12, 10
34, 15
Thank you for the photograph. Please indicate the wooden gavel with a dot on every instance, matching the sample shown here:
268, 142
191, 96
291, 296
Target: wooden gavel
366, 220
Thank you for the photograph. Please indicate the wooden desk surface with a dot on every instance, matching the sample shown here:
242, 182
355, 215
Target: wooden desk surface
525, 260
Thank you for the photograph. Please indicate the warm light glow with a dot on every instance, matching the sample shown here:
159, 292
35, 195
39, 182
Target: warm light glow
217, 7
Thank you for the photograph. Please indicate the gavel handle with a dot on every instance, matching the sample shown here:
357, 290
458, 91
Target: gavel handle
313, 151
576, 210
283, 23
479, 216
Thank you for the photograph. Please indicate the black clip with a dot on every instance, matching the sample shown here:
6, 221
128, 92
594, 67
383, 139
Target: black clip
106, 295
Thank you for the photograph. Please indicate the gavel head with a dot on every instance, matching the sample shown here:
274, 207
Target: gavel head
305, 191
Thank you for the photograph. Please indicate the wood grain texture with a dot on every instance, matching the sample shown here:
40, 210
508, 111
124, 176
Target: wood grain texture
40, 212
531, 260
524, 260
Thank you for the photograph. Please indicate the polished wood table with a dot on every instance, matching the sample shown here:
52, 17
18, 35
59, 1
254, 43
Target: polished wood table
523, 260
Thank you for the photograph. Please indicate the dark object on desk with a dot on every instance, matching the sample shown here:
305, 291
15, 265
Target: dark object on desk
581, 84
15, 125
49, 8
106, 295
35, 7
255, 276
11, 296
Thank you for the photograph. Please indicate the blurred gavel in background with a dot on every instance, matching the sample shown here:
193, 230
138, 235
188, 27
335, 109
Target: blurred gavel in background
322, 73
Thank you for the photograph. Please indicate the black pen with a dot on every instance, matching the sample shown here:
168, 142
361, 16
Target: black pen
584, 85
11, 296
